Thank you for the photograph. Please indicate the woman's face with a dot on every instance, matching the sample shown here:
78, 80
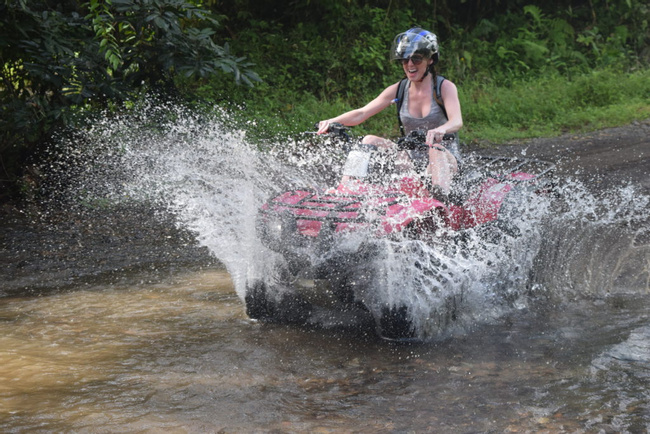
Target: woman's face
416, 66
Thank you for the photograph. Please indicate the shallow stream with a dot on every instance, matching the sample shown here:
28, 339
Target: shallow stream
181, 356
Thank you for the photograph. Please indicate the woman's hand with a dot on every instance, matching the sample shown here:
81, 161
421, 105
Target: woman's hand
324, 126
435, 136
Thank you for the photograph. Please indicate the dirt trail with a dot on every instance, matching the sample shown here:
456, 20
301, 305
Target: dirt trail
603, 158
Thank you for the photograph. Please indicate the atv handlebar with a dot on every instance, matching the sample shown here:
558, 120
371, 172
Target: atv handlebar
415, 139
338, 131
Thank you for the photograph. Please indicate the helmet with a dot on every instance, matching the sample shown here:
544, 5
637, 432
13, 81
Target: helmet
415, 40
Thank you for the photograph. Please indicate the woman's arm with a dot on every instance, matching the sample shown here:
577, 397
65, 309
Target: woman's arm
357, 116
452, 106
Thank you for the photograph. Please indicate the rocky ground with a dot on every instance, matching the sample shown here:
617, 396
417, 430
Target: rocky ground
54, 252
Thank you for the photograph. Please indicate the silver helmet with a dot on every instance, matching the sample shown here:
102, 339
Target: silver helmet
415, 41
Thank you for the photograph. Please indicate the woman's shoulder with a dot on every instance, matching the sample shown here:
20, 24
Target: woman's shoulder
446, 83
441, 77
394, 86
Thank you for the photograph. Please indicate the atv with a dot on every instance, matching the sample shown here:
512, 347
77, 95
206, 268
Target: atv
329, 240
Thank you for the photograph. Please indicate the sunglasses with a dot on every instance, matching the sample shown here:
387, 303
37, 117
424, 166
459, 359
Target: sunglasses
415, 59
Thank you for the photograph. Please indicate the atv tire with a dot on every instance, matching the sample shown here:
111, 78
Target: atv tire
288, 309
395, 325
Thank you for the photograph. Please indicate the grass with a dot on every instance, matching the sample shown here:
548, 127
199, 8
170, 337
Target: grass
552, 106
546, 106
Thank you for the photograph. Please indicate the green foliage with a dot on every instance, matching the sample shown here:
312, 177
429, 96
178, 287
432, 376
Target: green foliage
336, 53
153, 40
56, 61
523, 67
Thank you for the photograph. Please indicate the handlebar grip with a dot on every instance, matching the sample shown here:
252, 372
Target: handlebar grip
333, 127
337, 128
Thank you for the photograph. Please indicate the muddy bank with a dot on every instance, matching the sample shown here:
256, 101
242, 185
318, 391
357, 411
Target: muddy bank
41, 253
602, 159
64, 249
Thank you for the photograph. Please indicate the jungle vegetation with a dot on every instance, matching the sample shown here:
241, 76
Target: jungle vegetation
524, 68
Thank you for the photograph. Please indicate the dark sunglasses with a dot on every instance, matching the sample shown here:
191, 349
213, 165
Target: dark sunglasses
415, 59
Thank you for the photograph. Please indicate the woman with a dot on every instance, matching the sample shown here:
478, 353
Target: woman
439, 115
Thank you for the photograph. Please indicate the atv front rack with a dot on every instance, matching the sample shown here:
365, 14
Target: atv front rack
335, 208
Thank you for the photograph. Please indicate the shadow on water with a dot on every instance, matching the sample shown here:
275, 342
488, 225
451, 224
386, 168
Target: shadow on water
122, 323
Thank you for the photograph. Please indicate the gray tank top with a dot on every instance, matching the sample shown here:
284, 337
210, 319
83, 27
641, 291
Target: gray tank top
434, 119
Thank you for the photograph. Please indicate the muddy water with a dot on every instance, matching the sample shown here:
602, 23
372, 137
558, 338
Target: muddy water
181, 356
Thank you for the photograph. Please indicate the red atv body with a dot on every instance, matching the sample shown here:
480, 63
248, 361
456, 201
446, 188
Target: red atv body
389, 210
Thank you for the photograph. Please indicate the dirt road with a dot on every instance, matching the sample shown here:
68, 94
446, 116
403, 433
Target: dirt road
603, 158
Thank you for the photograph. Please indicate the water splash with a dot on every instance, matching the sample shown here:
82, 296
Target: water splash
205, 171
596, 243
